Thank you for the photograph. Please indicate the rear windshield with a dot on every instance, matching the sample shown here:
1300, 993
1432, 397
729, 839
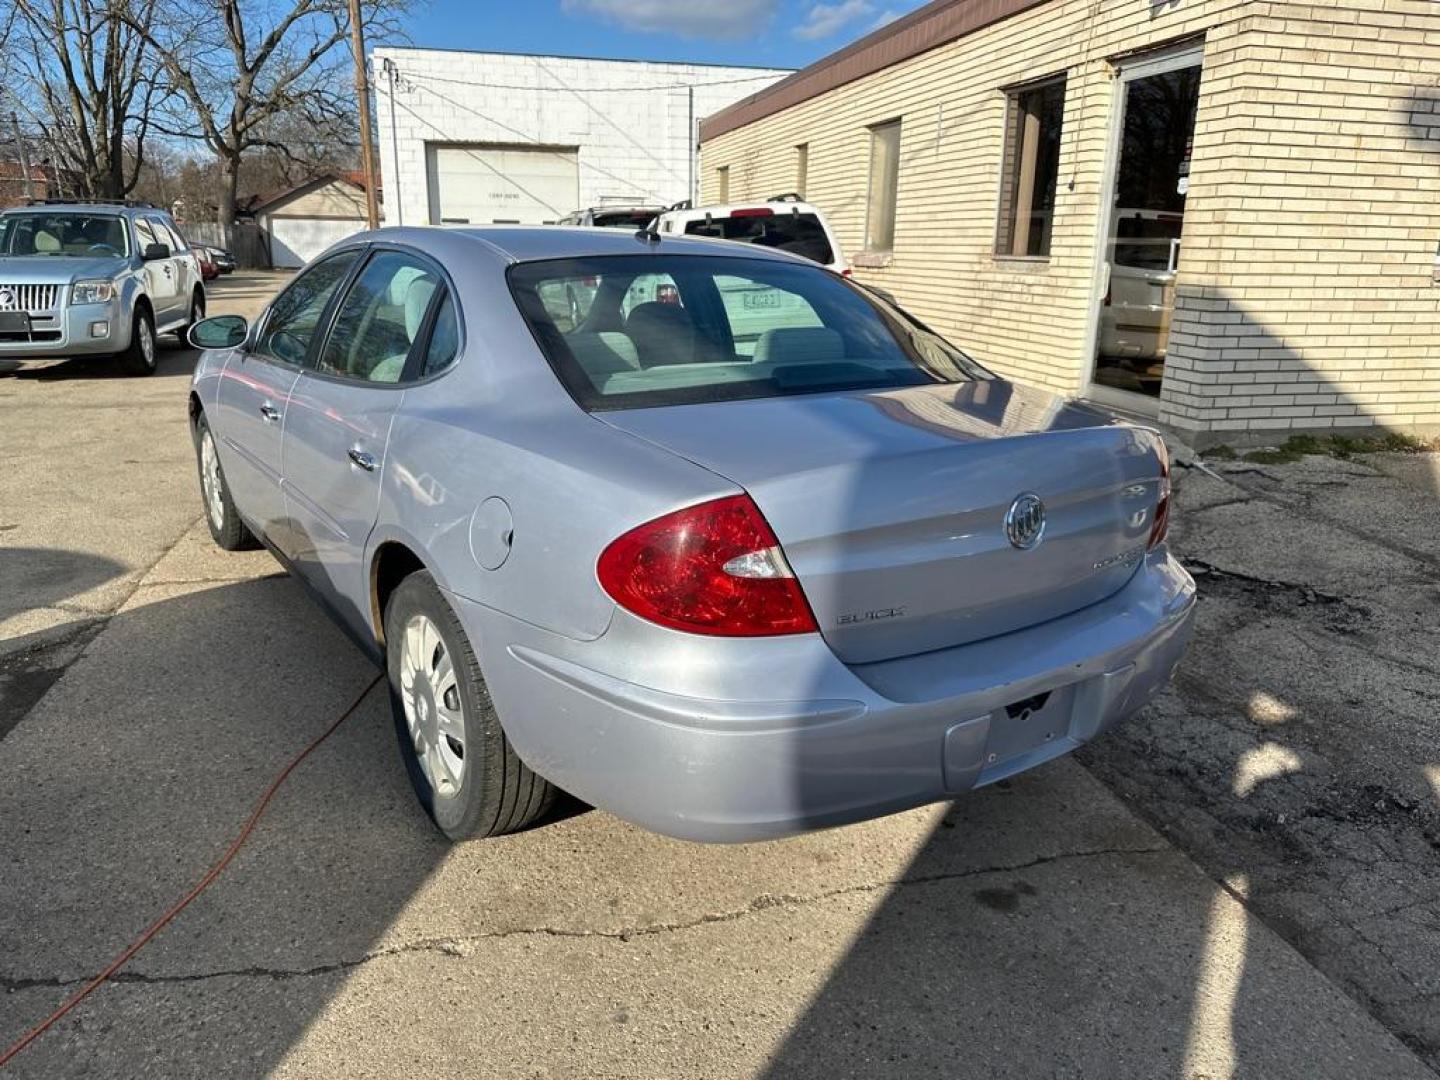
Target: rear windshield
632, 331
74, 234
622, 219
799, 234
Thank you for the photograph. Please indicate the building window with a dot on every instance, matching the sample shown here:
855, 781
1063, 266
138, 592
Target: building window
1032, 169
722, 174
802, 168
884, 183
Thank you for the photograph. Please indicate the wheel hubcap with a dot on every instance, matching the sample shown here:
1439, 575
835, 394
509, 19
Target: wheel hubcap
210, 481
147, 343
430, 694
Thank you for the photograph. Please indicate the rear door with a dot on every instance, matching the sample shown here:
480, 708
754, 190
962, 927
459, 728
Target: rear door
337, 426
255, 387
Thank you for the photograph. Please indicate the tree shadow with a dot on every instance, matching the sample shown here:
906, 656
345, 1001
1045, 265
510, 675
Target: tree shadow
46, 577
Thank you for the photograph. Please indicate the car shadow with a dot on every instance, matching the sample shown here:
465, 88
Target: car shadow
172, 357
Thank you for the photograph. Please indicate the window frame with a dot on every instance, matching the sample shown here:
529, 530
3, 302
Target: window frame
802, 168
722, 183
418, 347
876, 132
1013, 94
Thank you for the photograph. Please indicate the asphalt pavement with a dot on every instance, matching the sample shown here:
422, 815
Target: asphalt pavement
155, 685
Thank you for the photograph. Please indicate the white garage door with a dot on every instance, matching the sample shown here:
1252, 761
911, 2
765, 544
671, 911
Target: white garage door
487, 185
295, 241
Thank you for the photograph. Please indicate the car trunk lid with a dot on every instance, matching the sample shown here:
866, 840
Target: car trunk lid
891, 505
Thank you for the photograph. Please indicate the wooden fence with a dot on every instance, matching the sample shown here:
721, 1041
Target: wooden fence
244, 240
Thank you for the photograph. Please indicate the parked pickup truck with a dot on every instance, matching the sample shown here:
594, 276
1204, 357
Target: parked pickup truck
82, 278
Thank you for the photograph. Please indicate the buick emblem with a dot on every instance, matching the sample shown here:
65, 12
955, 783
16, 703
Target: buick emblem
7, 300
1025, 521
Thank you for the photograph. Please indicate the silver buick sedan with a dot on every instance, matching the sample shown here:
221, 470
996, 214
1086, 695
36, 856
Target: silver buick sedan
703, 533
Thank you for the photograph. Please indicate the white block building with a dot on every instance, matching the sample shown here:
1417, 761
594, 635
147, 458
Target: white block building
482, 138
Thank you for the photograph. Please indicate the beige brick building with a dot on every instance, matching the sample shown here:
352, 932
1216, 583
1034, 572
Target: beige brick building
1225, 213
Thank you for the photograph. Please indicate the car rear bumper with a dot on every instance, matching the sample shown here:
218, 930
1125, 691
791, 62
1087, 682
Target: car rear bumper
802, 741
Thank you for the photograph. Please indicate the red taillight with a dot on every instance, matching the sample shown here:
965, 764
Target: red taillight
715, 568
753, 211
847, 272
1161, 525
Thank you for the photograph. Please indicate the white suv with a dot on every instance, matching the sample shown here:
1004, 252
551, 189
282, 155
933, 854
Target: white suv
785, 222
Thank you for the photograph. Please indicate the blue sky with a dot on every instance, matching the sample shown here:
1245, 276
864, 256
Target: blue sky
769, 33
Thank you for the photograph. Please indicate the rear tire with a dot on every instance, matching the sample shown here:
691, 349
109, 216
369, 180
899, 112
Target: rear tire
463, 769
197, 312
226, 528
139, 358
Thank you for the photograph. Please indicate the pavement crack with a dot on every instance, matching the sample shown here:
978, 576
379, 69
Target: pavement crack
462, 945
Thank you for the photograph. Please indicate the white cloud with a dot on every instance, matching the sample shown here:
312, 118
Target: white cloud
885, 18
686, 18
826, 20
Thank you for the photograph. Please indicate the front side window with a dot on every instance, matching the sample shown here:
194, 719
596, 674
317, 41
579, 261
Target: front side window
295, 314
379, 319
1031, 171
144, 234
162, 234
884, 186
733, 328
85, 235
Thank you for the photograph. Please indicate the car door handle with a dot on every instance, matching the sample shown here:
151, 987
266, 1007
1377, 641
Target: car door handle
364, 460
270, 413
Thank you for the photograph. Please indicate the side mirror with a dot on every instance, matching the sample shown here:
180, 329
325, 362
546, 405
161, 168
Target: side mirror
219, 332
156, 251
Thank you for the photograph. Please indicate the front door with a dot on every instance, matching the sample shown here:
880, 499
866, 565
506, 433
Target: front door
161, 284
338, 426
1149, 181
255, 391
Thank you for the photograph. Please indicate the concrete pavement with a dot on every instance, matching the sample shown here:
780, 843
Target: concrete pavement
1037, 928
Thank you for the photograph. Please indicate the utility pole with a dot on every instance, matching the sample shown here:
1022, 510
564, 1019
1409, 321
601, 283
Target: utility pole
392, 76
24, 156
362, 87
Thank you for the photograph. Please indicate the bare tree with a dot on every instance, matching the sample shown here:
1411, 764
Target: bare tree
89, 86
248, 70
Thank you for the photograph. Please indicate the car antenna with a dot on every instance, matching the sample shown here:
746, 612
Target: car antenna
650, 232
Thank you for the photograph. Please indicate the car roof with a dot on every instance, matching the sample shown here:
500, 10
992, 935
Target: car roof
533, 243
82, 208
780, 206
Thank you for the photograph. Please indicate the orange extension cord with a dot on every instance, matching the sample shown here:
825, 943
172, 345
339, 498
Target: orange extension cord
204, 883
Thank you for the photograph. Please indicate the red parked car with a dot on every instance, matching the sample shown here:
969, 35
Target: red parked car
208, 270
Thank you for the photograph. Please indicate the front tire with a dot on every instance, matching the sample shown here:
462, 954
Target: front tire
226, 528
463, 769
139, 358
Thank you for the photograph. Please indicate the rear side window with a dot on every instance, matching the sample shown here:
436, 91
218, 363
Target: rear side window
718, 328
799, 234
379, 319
444, 340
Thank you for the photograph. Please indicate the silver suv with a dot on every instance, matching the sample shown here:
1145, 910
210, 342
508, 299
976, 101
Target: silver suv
81, 278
